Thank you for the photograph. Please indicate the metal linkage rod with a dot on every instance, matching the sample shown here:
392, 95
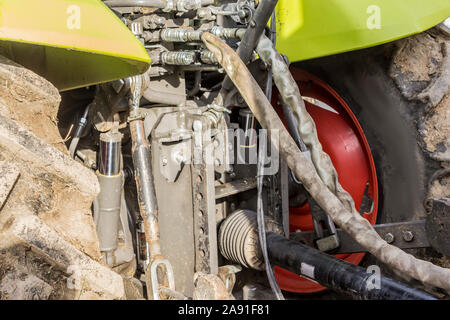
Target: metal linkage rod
146, 196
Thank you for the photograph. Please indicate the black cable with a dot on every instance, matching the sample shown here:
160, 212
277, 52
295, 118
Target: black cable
260, 219
78, 132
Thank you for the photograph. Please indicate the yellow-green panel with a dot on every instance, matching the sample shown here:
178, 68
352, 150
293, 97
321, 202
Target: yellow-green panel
315, 28
70, 43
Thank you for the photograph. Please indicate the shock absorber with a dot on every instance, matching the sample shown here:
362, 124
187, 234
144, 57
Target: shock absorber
107, 204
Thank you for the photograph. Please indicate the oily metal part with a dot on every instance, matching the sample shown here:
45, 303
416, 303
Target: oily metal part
349, 219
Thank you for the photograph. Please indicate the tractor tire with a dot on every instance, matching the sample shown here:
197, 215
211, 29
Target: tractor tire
48, 243
400, 93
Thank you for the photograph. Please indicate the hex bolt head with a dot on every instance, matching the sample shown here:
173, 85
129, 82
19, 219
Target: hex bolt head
408, 236
389, 237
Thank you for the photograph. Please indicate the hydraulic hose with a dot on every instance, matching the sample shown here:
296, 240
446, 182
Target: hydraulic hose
251, 37
260, 220
342, 212
78, 132
335, 273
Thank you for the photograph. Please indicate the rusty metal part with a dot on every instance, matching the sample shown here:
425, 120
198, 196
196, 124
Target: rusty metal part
146, 195
143, 175
438, 224
205, 234
391, 232
235, 187
348, 218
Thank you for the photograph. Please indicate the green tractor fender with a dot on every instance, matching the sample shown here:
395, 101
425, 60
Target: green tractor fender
71, 43
309, 29
76, 43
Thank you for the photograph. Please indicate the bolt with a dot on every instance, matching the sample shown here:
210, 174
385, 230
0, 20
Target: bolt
164, 161
242, 14
389, 237
408, 236
202, 13
252, 23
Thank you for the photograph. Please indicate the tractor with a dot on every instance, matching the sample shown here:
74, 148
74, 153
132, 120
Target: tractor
224, 149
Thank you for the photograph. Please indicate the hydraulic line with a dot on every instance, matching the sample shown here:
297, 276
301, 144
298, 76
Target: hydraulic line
251, 37
261, 226
335, 273
161, 4
78, 132
348, 218
260, 208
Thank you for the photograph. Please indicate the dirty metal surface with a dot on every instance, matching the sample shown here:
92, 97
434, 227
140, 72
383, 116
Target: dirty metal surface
235, 187
404, 235
437, 224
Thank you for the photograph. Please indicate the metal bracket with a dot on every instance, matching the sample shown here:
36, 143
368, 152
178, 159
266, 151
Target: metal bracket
327, 238
404, 235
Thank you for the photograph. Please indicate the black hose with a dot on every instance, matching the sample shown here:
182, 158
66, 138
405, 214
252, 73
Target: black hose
78, 132
273, 37
251, 37
260, 220
336, 274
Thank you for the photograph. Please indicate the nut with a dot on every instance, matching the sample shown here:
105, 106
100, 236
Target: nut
408, 236
389, 237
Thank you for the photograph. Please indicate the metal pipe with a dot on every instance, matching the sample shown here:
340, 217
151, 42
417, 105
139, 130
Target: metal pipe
143, 173
78, 132
335, 273
109, 157
161, 4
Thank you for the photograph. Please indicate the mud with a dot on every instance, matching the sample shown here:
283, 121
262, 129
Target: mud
45, 215
436, 129
421, 70
416, 62
30, 100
